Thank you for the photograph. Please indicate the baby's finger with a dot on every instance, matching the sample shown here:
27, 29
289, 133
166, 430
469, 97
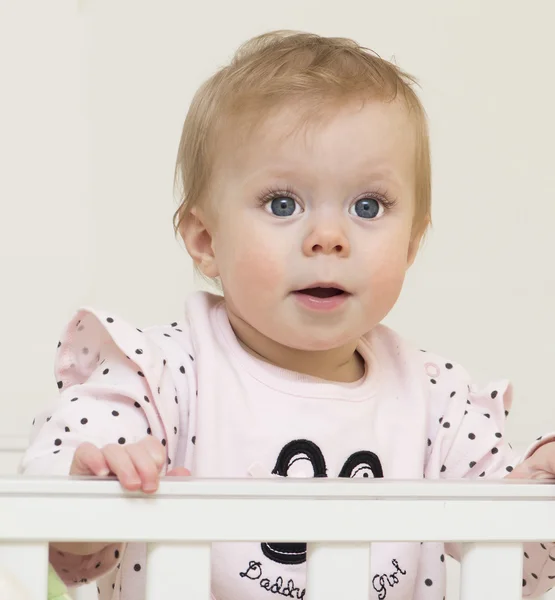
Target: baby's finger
121, 465
89, 460
179, 472
146, 466
155, 449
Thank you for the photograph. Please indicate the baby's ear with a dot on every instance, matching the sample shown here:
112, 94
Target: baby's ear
196, 235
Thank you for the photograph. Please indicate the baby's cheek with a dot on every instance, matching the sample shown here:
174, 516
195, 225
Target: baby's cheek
258, 265
386, 282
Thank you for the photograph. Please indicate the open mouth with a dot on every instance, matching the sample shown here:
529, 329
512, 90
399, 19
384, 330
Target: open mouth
322, 292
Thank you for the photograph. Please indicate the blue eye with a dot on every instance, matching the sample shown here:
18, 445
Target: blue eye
283, 206
367, 208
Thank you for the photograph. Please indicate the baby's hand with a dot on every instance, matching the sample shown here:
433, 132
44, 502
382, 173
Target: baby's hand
137, 466
539, 466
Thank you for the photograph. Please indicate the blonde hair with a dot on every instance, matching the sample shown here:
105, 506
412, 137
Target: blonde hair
280, 67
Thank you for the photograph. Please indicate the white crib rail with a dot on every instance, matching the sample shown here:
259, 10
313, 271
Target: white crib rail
339, 518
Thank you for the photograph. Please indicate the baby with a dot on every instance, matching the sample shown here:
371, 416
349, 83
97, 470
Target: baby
306, 190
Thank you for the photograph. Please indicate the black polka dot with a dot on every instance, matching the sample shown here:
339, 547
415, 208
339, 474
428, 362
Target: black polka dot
121, 440
57, 442
487, 415
429, 442
191, 357
440, 420
498, 435
494, 450
509, 468
97, 565
433, 381
175, 430
74, 399
48, 419
483, 474
182, 369
167, 335
146, 399
115, 413
139, 330
140, 373
164, 362
194, 439
66, 429
149, 431
523, 582
452, 394
113, 586
169, 461
137, 567
176, 400
468, 401
534, 575
471, 436
543, 546
448, 366
59, 344
138, 351
60, 385
443, 468
116, 553
105, 372
526, 555
110, 320
447, 425
428, 582
84, 421
465, 412
494, 394
56, 451
472, 464
506, 413
137, 404
163, 442
158, 390
442, 558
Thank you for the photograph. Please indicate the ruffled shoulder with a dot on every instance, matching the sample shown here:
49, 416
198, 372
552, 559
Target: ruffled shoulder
87, 333
94, 337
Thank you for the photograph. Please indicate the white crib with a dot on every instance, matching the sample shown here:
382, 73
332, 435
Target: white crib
339, 518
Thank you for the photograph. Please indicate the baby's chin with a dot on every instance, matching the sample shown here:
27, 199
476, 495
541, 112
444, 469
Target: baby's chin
310, 342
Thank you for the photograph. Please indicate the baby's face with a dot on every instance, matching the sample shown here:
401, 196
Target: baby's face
331, 205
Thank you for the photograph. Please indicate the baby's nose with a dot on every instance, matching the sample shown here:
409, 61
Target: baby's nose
327, 239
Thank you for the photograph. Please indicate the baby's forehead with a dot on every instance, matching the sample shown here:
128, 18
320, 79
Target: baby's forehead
355, 135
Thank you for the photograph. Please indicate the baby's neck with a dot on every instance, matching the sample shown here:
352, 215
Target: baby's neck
344, 364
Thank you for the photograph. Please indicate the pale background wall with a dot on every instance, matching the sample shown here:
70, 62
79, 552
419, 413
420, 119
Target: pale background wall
92, 98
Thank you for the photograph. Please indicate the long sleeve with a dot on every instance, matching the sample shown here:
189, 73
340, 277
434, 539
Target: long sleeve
468, 442
115, 387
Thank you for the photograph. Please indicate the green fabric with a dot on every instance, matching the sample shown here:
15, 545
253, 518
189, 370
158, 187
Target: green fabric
56, 587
